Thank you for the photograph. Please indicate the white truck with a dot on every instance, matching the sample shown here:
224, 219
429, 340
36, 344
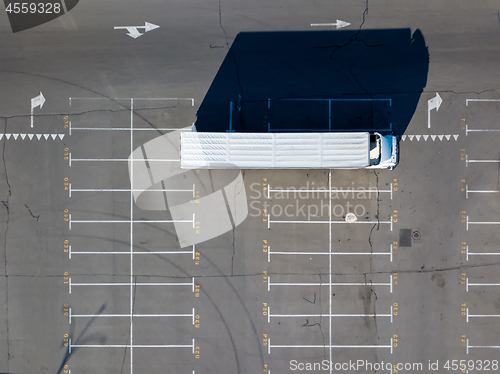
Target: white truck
319, 150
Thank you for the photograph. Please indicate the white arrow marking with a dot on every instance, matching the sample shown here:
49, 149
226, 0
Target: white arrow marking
30, 136
150, 26
447, 137
433, 103
133, 31
433, 137
36, 101
61, 136
403, 137
425, 137
38, 136
440, 137
418, 137
339, 24
455, 136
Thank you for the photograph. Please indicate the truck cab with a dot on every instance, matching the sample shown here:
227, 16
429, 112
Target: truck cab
383, 151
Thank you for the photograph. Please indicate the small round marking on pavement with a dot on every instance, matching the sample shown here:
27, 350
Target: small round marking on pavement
351, 218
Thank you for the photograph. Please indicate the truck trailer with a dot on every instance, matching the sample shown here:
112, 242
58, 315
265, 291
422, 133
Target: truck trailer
304, 150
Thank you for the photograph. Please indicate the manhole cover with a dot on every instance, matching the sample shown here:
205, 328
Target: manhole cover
416, 235
351, 217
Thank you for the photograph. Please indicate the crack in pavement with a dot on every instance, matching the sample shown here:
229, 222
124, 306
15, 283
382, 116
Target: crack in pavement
405, 271
80, 87
354, 76
32, 215
307, 324
309, 301
375, 312
130, 325
354, 37
365, 12
220, 25
367, 302
321, 315
6, 204
498, 10
234, 60
189, 277
39, 115
223, 30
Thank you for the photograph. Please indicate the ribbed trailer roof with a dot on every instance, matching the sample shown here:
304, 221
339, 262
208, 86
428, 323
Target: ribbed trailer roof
216, 150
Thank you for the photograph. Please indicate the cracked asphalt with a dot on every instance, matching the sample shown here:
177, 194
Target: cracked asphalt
414, 308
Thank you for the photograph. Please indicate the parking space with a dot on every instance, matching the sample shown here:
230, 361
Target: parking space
305, 281
114, 263
324, 298
123, 273
480, 307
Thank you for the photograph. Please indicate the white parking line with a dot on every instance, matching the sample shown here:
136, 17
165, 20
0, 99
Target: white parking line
328, 222
480, 315
467, 191
467, 130
470, 100
467, 253
121, 160
130, 346
480, 346
71, 128
128, 253
329, 253
467, 161
132, 252
493, 161
330, 264
269, 315
320, 190
269, 284
131, 160
130, 284
72, 222
71, 316
325, 346
479, 223
71, 252
128, 129
71, 190
468, 284
135, 98
134, 284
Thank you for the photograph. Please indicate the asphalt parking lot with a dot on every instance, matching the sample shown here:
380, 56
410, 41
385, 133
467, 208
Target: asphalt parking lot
114, 261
